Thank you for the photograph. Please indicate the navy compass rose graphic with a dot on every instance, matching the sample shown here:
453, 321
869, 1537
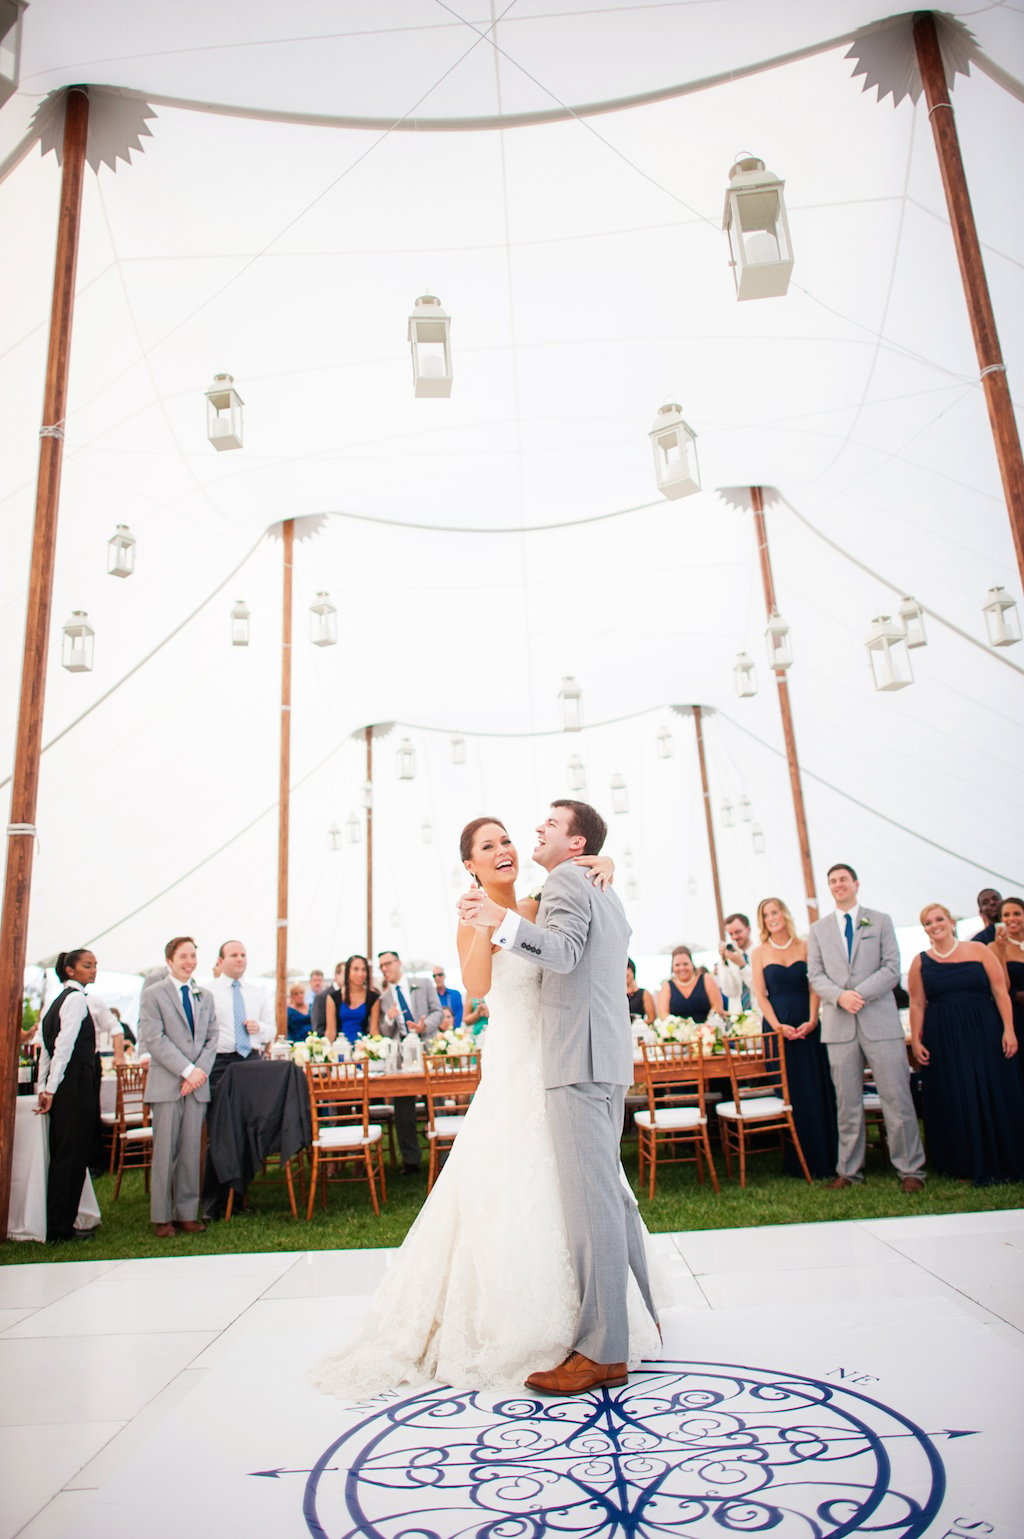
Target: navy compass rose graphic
686, 1448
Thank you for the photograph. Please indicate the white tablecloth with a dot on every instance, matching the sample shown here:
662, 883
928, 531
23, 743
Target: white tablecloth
27, 1217
108, 1093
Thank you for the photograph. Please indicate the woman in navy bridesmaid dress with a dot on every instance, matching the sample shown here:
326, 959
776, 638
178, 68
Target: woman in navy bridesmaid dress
779, 971
1009, 948
961, 1029
688, 993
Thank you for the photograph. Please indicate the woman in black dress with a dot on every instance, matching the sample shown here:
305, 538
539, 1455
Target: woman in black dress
1009, 948
688, 993
639, 999
786, 1001
961, 1031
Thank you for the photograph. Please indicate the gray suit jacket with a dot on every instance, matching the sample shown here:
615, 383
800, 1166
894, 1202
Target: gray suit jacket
873, 970
581, 940
170, 1044
421, 997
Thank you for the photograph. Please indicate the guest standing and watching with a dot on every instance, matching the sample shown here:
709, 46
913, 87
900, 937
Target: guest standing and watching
1009, 948
353, 1007
733, 972
688, 993
961, 1031
298, 1015
989, 905
639, 1000
245, 1021
450, 999
786, 1001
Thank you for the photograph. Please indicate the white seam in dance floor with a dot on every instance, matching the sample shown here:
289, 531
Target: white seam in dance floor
818, 1380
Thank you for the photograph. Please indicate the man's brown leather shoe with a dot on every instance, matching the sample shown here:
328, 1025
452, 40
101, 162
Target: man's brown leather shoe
191, 1226
912, 1184
839, 1184
164, 1231
577, 1375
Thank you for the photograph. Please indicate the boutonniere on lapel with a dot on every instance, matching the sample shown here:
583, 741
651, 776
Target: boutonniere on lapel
194, 991
863, 922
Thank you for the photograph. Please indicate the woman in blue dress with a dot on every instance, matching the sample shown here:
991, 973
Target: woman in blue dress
688, 993
784, 997
962, 1035
353, 1010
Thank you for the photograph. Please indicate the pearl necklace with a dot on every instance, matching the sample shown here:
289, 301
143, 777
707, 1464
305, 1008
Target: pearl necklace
777, 946
949, 953
1014, 942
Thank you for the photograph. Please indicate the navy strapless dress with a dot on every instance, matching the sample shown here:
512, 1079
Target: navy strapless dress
973, 1096
696, 1008
811, 1093
1016, 972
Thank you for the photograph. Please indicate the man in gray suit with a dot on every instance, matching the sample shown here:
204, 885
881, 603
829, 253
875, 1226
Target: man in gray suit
407, 1004
853, 964
178, 1023
580, 940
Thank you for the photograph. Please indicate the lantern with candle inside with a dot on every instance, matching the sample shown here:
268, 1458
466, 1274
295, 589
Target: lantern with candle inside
224, 413
620, 794
121, 552
239, 623
776, 637
666, 743
890, 659
1002, 619
458, 746
77, 646
430, 338
323, 621
577, 774
744, 675
675, 453
760, 250
912, 620
570, 698
353, 828
406, 756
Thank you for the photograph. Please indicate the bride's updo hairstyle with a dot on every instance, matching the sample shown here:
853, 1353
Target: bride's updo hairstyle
470, 832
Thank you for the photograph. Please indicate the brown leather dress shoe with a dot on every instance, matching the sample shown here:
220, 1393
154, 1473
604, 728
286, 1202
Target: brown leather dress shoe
839, 1184
577, 1375
912, 1184
164, 1231
191, 1226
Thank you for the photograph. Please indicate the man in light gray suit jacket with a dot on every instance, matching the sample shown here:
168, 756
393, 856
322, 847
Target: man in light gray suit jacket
407, 1004
178, 1023
853, 965
580, 940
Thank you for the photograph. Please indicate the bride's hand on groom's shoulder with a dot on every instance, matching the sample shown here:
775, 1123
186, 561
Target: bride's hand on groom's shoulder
601, 869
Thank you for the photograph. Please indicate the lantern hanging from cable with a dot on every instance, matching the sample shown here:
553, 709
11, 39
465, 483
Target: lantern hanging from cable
427, 831
334, 837
405, 753
121, 552
620, 793
77, 646
757, 839
890, 659
458, 744
744, 808
675, 453
691, 886
666, 743
577, 774
430, 338
632, 890
627, 859
239, 624
224, 413
744, 675
728, 814
323, 621
353, 828
10, 46
912, 620
1002, 619
760, 249
776, 636
570, 698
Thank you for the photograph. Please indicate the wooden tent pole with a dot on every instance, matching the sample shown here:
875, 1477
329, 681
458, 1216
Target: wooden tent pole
369, 845
972, 273
712, 847
28, 739
786, 711
284, 783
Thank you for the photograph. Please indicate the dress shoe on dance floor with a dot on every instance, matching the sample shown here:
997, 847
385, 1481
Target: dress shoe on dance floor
164, 1231
191, 1226
577, 1375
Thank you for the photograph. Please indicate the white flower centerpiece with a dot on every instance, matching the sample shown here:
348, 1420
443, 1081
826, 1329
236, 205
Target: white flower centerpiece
376, 1049
314, 1050
457, 1042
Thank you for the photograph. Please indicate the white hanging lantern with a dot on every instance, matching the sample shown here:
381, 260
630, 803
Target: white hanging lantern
334, 837
430, 338
239, 623
620, 794
745, 675
912, 620
760, 249
691, 886
675, 453
632, 890
570, 697
728, 814
224, 413
406, 756
120, 550
744, 806
666, 743
627, 859
757, 839
780, 650
890, 659
366, 795
77, 647
323, 622
1001, 618
427, 831
353, 828
458, 749
577, 774
10, 46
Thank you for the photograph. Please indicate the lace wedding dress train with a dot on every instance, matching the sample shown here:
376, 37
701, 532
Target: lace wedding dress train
482, 1291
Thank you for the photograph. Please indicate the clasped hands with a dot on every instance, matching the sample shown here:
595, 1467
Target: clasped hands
480, 911
192, 1081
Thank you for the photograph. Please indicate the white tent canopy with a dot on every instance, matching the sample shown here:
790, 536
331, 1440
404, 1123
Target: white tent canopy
482, 547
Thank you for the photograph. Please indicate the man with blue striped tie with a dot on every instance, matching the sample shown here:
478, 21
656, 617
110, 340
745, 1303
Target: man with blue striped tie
245, 1020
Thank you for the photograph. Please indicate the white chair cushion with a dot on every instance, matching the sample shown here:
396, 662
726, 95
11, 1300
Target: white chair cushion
671, 1117
108, 1117
347, 1138
137, 1133
763, 1106
445, 1127
872, 1101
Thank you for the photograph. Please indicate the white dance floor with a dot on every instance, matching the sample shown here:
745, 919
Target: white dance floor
818, 1381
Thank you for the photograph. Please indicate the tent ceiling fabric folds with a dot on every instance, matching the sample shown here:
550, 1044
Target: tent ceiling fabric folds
271, 190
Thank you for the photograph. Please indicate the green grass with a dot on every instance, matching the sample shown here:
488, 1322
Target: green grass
348, 1223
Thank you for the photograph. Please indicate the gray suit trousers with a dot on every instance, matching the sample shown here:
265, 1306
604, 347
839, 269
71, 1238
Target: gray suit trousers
174, 1181
602, 1218
888, 1060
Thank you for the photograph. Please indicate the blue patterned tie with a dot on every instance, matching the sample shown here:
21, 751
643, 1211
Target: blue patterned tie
186, 1005
242, 1044
849, 936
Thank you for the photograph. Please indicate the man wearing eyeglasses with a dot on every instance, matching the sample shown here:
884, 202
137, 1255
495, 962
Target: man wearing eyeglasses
450, 999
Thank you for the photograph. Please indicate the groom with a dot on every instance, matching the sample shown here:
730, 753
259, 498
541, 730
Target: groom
581, 940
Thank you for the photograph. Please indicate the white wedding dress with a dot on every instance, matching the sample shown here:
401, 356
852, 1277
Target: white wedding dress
482, 1292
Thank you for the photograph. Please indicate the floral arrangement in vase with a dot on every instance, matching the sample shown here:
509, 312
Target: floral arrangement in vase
376, 1049
314, 1050
455, 1043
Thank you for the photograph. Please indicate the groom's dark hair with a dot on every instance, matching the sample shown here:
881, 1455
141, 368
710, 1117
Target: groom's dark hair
586, 820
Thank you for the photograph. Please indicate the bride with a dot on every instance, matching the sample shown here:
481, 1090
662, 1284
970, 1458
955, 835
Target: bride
482, 1291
